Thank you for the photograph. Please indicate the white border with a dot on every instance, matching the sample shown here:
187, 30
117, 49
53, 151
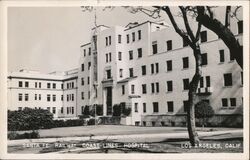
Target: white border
3, 79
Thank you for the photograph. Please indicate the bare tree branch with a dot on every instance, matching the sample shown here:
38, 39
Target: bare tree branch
198, 32
227, 20
210, 12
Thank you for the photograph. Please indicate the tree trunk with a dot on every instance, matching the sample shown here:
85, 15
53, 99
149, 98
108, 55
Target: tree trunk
223, 32
193, 135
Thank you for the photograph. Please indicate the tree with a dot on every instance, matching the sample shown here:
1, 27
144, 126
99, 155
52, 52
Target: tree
205, 16
86, 110
203, 111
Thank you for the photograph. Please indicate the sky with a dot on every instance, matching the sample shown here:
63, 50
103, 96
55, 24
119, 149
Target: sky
48, 39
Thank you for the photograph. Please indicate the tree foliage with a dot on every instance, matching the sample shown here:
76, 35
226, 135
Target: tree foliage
203, 111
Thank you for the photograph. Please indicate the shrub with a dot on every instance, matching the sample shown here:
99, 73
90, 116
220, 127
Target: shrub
26, 135
91, 121
203, 111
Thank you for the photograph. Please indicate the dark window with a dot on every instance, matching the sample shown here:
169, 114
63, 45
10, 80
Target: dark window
130, 55
61, 97
222, 56
204, 59
185, 43
228, 79
54, 97
48, 97
185, 62
185, 84
108, 72
54, 110
35, 84
157, 87
61, 86
136, 107
82, 80
88, 80
153, 87
106, 40
208, 81
144, 88
154, 46
133, 36
109, 40
82, 67
169, 45
185, 106
82, 95
73, 110
119, 38
72, 84
144, 107
26, 84
48, 85
170, 106
152, 68
240, 27
131, 72
89, 51
143, 70
127, 38
139, 52
233, 102
84, 52
35, 96
224, 102
89, 94
169, 65
139, 34
121, 73
132, 89
20, 96
20, 84
155, 107
107, 58
157, 67
201, 82
203, 35
89, 65
123, 89
54, 85
40, 84
119, 56
110, 57
169, 86
72, 97
62, 110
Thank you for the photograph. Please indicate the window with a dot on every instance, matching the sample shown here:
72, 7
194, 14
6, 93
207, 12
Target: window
123, 89
82, 95
127, 38
240, 27
72, 84
106, 38
82, 81
40, 84
54, 110
136, 107
119, 56
185, 106
170, 106
169, 45
26, 97
169, 86
120, 72
73, 110
109, 40
35, 84
228, 79
67, 97
82, 67
110, 57
19, 108
144, 88
241, 77
233, 102
157, 67
89, 65
203, 35
35, 96
153, 87
157, 87
139, 50
155, 107
185, 62
224, 102
204, 59
72, 97
130, 55
61, 97
40, 97
67, 110
152, 68
84, 52
48, 97
133, 36
88, 80
119, 38
131, 72
89, 94
208, 81
231, 56
139, 34
185, 84
154, 46
222, 56
132, 89
54, 85
89, 51
169, 65
185, 43
61, 110
201, 82
62, 86
20, 97
54, 98
107, 58
108, 72
144, 107
26, 84
48, 108
143, 70
20, 84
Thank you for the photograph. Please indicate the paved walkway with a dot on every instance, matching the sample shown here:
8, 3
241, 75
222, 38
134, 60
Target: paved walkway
145, 137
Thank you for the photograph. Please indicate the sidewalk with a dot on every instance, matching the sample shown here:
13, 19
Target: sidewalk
150, 137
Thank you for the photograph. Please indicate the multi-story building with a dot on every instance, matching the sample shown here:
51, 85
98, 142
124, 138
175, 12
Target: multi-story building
146, 66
